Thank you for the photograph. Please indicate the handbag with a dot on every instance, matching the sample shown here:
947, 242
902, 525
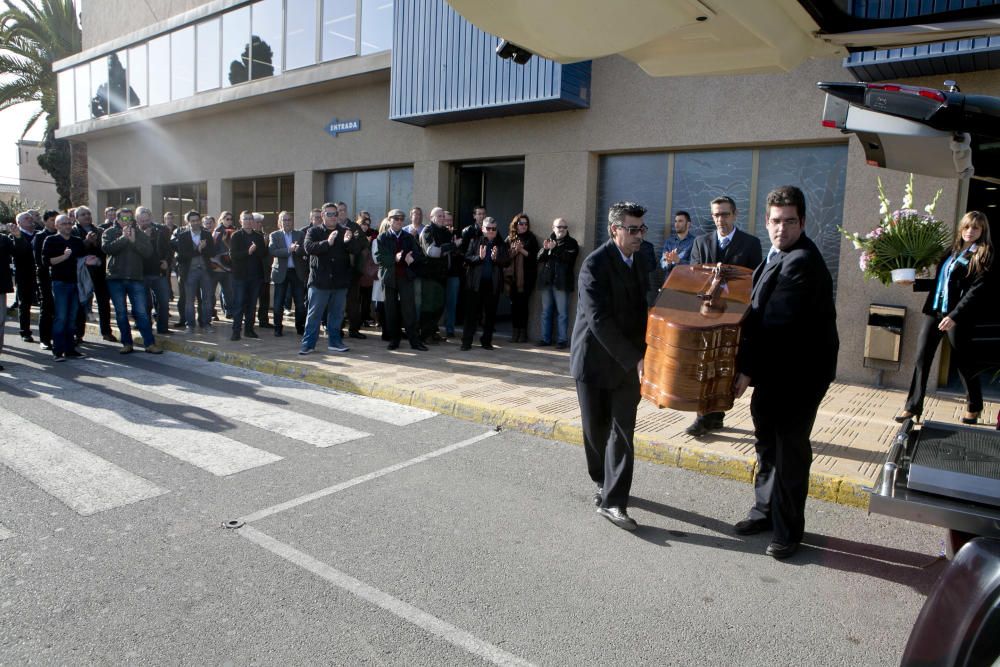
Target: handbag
369, 271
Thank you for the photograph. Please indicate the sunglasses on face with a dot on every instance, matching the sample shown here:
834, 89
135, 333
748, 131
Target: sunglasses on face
634, 230
330, 214
490, 229
522, 222
561, 227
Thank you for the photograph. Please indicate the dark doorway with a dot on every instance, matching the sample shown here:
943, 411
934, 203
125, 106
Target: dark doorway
985, 196
499, 186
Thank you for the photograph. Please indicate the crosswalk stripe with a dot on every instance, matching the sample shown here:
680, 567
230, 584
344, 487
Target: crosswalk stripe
209, 451
246, 409
5, 533
84, 482
362, 406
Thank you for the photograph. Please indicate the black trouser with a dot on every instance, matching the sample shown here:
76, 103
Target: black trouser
783, 418
245, 295
366, 303
353, 308
401, 310
608, 415
927, 345
482, 301
264, 305
103, 299
46, 310
519, 302
290, 288
27, 296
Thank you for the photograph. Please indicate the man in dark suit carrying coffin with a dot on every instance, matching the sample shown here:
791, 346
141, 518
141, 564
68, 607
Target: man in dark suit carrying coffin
608, 346
728, 245
788, 352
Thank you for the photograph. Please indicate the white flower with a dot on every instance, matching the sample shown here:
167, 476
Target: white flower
908, 193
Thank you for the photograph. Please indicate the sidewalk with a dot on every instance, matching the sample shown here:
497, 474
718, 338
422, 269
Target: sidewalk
528, 388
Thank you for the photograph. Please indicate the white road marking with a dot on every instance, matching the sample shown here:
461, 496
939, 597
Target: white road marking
280, 387
5, 533
248, 409
209, 451
330, 490
86, 483
407, 612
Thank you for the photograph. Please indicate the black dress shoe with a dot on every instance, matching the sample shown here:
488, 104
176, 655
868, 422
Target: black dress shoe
73, 354
697, 428
394, 345
265, 325
278, 332
781, 551
356, 334
110, 338
235, 336
417, 345
487, 346
619, 517
598, 496
465, 347
250, 333
905, 415
28, 339
751, 526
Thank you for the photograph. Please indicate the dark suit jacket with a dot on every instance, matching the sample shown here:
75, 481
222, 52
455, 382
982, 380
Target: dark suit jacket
743, 250
609, 337
331, 265
186, 250
965, 291
789, 336
245, 265
279, 251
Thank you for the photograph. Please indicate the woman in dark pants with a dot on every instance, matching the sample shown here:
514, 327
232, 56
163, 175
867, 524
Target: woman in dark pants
522, 246
952, 309
486, 257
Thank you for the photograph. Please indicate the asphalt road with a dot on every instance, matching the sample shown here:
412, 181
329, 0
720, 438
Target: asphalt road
373, 533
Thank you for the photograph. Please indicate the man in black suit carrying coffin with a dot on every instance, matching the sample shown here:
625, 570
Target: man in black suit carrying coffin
788, 352
728, 245
608, 346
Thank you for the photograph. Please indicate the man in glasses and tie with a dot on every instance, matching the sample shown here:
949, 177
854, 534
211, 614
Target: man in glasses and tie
788, 352
609, 343
728, 245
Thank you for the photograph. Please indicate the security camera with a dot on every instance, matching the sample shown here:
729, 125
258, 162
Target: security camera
510, 51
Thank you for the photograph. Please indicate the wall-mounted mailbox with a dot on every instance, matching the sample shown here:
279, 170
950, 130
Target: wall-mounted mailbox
884, 335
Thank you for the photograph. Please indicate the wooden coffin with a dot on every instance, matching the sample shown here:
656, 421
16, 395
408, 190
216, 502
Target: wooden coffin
692, 336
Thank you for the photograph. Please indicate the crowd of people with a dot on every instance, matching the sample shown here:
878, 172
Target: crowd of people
336, 272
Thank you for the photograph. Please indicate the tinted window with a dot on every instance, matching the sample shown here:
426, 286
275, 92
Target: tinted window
300, 33
137, 75
99, 87
182, 63
119, 93
266, 39
235, 46
159, 70
339, 26
67, 105
208, 67
81, 75
639, 177
376, 26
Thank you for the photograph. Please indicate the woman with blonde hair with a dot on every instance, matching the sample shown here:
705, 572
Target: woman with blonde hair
522, 247
953, 307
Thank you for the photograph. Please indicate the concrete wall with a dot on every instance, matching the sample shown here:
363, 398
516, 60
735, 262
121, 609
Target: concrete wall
105, 20
630, 111
37, 185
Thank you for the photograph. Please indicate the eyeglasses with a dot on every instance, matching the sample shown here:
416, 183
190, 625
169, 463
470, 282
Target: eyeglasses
489, 229
398, 217
330, 214
633, 230
561, 227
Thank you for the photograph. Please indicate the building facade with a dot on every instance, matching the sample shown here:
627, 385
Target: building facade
283, 104
37, 186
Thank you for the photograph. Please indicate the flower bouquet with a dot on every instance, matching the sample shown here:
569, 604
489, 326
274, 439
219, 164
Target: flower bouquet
905, 241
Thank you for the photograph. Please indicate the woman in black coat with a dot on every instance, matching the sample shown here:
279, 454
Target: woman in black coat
486, 258
522, 246
952, 308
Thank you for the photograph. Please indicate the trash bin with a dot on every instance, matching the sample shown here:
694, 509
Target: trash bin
884, 336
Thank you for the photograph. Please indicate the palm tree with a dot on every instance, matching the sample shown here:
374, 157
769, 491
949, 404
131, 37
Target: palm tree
33, 35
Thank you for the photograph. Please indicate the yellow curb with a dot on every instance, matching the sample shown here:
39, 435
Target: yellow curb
824, 486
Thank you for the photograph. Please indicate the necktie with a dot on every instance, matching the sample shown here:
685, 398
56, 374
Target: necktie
771, 253
724, 242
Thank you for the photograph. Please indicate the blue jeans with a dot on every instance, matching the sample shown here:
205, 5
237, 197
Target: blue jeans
66, 301
199, 280
158, 292
558, 300
245, 295
451, 288
136, 291
333, 301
